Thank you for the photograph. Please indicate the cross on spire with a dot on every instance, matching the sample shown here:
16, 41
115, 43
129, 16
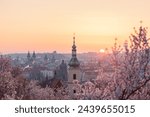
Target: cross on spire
74, 38
141, 22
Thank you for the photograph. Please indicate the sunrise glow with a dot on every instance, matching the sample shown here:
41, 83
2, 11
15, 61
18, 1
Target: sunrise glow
102, 51
48, 25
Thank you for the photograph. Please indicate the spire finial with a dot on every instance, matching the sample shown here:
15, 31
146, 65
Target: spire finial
73, 38
141, 22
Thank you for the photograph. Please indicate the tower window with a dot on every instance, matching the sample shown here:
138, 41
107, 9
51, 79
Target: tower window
74, 91
74, 77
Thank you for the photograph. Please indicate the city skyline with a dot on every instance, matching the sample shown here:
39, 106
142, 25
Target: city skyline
46, 26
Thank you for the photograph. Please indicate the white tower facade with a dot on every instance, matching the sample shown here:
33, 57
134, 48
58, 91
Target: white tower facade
74, 71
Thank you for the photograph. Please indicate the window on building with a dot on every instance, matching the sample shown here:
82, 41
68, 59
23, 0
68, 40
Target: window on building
74, 91
74, 77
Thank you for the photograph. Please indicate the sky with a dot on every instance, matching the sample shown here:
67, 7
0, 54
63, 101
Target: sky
48, 25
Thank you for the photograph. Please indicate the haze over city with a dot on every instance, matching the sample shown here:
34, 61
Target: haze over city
48, 25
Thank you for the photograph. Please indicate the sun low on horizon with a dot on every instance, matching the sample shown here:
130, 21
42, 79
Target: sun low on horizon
48, 25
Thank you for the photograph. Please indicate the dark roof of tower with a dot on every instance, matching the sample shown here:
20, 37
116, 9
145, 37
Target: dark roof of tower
74, 62
28, 55
34, 55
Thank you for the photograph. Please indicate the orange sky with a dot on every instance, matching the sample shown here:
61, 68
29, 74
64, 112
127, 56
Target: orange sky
48, 25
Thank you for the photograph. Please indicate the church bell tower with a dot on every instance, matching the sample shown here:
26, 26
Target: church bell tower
74, 71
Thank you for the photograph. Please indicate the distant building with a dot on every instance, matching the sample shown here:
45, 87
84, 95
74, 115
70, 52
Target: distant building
63, 68
47, 73
53, 59
31, 59
61, 72
33, 55
28, 56
46, 58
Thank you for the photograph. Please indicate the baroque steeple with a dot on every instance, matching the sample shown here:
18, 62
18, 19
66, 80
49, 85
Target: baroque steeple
28, 55
34, 55
74, 61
